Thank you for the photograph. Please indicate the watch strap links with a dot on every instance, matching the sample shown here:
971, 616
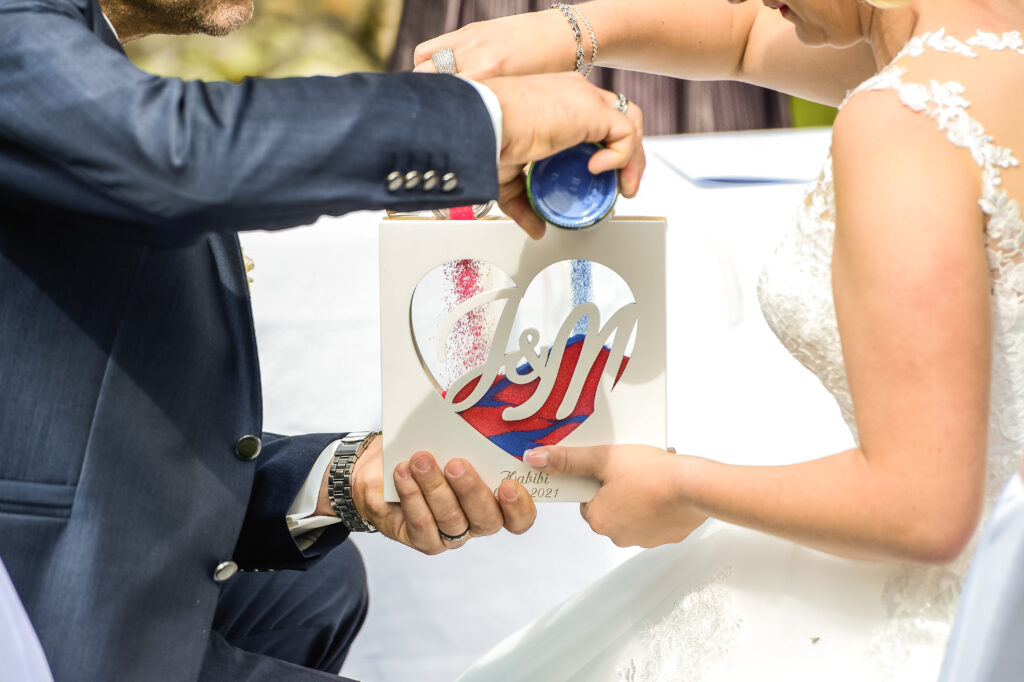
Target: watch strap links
339, 480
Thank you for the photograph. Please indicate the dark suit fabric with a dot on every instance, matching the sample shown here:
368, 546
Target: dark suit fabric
128, 366
308, 618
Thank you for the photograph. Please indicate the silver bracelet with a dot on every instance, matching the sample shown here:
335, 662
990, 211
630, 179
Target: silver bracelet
581, 56
593, 41
339, 481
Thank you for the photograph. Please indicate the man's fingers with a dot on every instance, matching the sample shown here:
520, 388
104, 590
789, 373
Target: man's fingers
517, 507
629, 177
446, 512
519, 209
620, 149
558, 459
512, 200
609, 158
634, 170
622, 146
420, 528
474, 497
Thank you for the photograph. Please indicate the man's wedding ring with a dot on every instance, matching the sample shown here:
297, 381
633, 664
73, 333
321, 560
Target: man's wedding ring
621, 105
454, 538
444, 60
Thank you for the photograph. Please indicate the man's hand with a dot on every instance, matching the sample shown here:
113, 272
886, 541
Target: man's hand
435, 501
544, 114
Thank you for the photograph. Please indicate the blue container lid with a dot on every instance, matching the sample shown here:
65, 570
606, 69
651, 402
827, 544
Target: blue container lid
564, 193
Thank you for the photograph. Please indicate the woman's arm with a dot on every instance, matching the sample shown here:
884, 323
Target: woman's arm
694, 39
911, 288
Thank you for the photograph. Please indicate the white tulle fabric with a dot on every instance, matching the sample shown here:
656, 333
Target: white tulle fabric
732, 604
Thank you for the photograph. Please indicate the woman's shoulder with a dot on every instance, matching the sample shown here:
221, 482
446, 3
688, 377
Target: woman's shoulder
886, 107
955, 93
891, 133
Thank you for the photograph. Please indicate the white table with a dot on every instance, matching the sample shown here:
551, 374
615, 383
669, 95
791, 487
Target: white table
734, 393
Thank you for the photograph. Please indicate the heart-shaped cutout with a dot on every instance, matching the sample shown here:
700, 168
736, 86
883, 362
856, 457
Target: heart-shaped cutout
523, 367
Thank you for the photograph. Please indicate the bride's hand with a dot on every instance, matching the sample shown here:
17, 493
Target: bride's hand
536, 42
638, 502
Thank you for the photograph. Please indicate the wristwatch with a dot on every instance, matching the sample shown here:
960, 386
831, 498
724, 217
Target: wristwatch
339, 480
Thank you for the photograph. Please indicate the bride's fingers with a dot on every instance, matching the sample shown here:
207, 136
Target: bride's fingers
584, 461
422, 53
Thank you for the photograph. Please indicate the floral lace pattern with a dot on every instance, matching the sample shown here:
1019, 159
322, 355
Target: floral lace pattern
696, 634
795, 292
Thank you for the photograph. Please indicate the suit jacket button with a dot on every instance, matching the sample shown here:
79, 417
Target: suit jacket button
412, 179
248, 448
430, 181
395, 181
225, 571
449, 182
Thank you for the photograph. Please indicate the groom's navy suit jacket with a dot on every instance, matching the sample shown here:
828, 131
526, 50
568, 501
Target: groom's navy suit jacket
128, 367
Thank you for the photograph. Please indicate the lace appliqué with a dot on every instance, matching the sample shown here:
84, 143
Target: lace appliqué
685, 644
795, 292
1004, 233
940, 42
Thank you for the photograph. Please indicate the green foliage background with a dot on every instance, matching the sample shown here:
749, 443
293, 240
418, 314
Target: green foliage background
285, 38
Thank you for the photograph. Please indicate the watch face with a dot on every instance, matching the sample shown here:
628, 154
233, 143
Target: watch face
566, 194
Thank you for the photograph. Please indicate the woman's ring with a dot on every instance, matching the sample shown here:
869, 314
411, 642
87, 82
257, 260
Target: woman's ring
622, 104
444, 60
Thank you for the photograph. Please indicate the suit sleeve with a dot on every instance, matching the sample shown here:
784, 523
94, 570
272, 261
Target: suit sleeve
282, 467
88, 140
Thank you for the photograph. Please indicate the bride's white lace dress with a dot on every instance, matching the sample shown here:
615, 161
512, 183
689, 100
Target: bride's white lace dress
733, 604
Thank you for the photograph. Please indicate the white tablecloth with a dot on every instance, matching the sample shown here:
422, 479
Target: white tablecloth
734, 393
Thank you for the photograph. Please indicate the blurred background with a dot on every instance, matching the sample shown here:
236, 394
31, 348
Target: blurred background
285, 38
333, 37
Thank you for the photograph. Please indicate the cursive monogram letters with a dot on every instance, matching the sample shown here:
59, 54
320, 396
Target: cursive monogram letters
532, 361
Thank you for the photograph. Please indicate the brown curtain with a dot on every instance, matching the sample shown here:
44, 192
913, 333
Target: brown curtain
670, 105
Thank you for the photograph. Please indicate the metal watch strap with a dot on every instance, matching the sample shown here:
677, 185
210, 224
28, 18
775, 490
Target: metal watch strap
339, 480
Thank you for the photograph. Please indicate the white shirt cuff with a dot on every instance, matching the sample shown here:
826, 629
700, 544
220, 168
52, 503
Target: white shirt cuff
300, 517
494, 109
